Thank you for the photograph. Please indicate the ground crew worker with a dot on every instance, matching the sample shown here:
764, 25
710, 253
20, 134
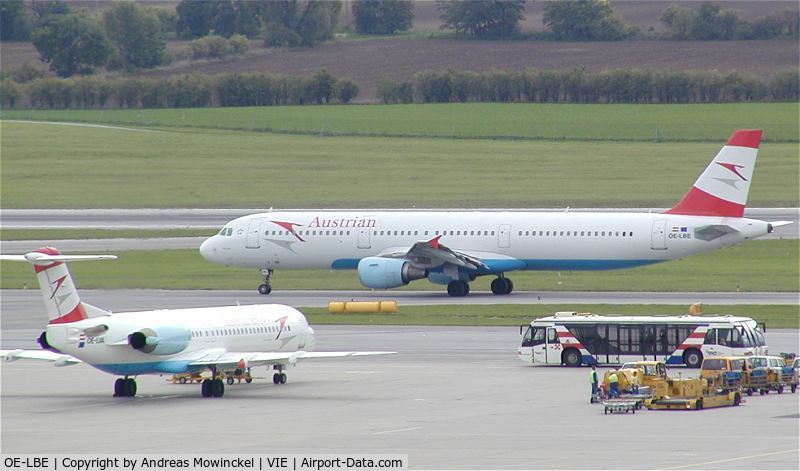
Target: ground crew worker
635, 382
593, 380
612, 382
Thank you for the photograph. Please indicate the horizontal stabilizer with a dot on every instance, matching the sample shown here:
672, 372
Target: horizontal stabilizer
38, 258
714, 231
780, 223
58, 359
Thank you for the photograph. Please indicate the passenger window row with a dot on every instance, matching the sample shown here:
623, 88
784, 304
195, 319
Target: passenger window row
576, 234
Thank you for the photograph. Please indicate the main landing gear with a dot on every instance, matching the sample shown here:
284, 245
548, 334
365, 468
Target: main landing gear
212, 387
125, 387
502, 285
265, 288
458, 288
280, 376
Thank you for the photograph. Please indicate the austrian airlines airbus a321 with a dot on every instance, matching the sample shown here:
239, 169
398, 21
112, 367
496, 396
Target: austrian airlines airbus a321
453, 248
220, 339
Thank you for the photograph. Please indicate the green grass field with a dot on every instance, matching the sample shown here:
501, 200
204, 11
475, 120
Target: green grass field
515, 315
696, 122
105, 168
752, 266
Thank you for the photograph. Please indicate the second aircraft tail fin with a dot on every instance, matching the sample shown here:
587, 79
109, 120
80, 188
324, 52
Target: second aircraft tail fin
58, 290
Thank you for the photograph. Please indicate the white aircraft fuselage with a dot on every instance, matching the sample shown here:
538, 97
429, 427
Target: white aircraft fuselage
503, 240
185, 336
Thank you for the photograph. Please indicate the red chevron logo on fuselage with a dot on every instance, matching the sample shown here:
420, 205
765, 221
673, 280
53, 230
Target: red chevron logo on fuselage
289, 227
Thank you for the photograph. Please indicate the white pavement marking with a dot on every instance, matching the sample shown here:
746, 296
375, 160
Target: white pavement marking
728, 460
397, 430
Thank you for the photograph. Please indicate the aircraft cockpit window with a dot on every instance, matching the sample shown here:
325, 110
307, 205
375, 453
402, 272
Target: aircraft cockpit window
230, 231
222, 232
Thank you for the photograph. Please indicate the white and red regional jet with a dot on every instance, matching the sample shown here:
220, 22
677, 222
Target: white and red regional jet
220, 339
453, 248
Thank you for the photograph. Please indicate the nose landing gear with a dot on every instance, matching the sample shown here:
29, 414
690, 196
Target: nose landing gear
265, 288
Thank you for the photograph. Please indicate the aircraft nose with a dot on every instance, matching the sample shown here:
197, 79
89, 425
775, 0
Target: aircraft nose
207, 249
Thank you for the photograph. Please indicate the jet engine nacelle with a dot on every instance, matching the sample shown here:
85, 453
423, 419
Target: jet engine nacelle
383, 273
42, 341
164, 341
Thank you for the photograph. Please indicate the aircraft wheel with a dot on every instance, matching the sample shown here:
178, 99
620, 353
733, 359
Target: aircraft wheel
130, 387
264, 288
217, 388
458, 288
498, 286
283, 378
205, 388
509, 286
276, 378
119, 386
229, 379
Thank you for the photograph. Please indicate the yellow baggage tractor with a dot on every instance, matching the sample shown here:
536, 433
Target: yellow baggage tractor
692, 394
184, 378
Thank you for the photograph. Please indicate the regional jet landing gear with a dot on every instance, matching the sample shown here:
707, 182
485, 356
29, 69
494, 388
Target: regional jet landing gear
212, 387
502, 285
125, 387
280, 376
265, 288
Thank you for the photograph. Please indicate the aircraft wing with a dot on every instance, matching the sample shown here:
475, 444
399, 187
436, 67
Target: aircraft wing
431, 253
59, 359
252, 359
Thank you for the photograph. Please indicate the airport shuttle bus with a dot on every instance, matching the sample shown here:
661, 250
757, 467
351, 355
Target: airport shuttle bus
575, 339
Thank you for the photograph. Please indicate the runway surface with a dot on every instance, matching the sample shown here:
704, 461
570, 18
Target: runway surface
216, 218
453, 398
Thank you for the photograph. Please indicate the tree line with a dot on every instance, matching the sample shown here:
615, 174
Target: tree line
179, 91
128, 36
580, 86
528, 86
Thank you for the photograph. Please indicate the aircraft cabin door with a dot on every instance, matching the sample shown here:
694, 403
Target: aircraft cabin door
363, 238
251, 238
504, 236
658, 238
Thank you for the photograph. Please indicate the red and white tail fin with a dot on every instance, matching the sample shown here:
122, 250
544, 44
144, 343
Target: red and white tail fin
58, 290
721, 190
